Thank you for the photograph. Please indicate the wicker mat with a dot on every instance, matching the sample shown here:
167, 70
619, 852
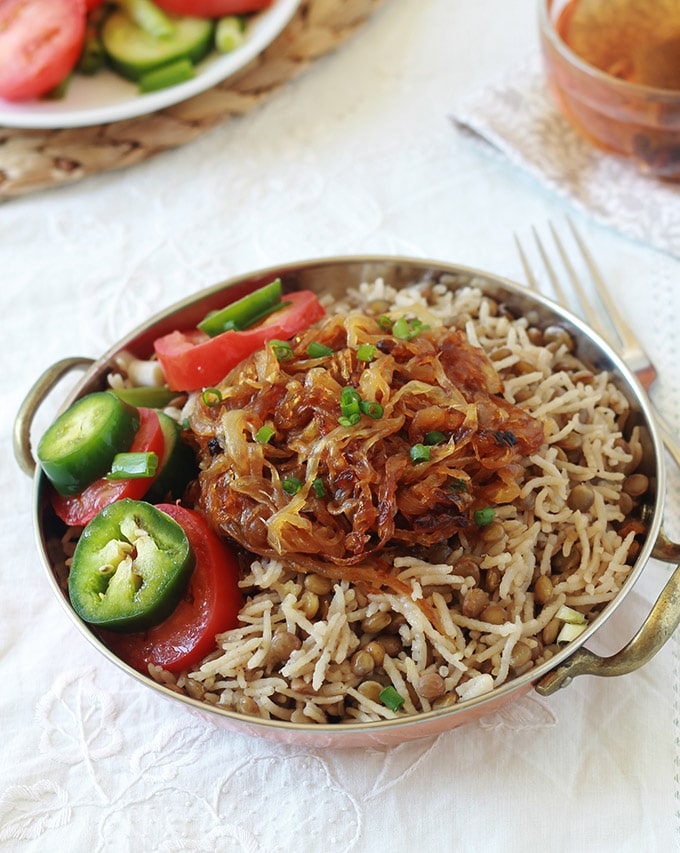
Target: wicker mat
33, 160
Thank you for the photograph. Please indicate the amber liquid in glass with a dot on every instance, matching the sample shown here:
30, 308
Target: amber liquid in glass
636, 40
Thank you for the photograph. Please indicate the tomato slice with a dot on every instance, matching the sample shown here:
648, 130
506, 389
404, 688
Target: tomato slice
192, 360
210, 605
40, 43
78, 510
212, 8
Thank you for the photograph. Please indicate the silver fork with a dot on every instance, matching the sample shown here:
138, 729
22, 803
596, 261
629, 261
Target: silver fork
623, 341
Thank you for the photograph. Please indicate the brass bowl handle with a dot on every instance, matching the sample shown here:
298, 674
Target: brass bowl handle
662, 621
31, 404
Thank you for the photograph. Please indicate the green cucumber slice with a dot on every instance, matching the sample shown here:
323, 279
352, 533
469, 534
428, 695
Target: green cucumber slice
134, 52
177, 467
80, 445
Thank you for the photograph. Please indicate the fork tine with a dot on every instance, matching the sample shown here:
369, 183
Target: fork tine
621, 327
588, 310
528, 272
552, 275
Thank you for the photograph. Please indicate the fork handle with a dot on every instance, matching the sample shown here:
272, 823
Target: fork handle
670, 440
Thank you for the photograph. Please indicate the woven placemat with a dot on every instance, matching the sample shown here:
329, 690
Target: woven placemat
33, 160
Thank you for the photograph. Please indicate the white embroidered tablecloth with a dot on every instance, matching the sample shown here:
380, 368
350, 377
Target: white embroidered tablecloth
357, 156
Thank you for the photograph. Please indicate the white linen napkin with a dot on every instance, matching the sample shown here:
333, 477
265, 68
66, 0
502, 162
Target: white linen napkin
519, 118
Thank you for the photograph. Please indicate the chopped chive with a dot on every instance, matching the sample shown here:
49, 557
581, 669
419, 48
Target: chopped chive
408, 329
229, 33
133, 466
211, 397
371, 408
484, 517
167, 75
318, 350
291, 485
282, 350
366, 352
349, 420
264, 434
419, 453
434, 437
385, 323
319, 488
390, 698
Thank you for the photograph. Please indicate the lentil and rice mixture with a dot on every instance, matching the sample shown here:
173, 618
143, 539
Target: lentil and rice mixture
454, 615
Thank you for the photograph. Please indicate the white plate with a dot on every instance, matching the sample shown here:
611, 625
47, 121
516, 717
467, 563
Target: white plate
106, 97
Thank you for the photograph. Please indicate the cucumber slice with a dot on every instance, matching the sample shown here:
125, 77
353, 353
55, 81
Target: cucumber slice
177, 466
134, 52
82, 442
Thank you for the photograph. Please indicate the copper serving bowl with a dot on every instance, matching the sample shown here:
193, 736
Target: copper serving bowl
333, 276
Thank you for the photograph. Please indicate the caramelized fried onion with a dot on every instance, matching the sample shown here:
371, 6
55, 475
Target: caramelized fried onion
342, 494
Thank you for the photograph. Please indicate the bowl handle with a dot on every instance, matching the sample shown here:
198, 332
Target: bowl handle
31, 404
663, 619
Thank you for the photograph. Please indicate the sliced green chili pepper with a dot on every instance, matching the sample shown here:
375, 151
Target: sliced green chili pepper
150, 396
130, 567
211, 397
245, 311
80, 445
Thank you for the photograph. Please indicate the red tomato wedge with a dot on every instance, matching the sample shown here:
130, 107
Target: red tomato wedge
78, 510
210, 605
192, 360
212, 8
40, 43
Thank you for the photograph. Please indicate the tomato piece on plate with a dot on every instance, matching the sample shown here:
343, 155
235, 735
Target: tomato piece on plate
40, 43
212, 8
209, 606
192, 360
78, 510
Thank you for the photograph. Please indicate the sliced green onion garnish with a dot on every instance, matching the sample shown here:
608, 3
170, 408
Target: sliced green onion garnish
167, 75
317, 350
282, 350
349, 420
132, 466
385, 323
264, 434
211, 397
366, 352
406, 330
458, 485
391, 698
484, 517
349, 402
371, 408
229, 33
319, 488
419, 453
434, 437
568, 614
291, 485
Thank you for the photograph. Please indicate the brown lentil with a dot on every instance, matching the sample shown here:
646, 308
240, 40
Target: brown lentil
376, 651
283, 645
362, 663
494, 613
371, 690
247, 705
318, 584
430, 686
376, 622
391, 644
474, 601
581, 497
636, 485
543, 589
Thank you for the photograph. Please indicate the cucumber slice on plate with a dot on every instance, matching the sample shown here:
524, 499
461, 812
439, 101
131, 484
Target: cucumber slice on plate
133, 52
